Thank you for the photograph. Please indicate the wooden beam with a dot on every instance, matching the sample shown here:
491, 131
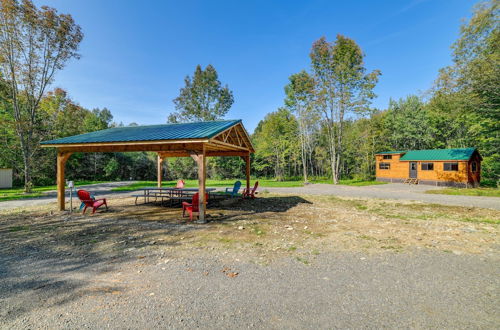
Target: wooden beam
225, 153
131, 148
202, 176
159, 170
62, 157
247, 170
233, 146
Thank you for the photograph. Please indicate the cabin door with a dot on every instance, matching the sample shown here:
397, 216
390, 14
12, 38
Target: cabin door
413, 170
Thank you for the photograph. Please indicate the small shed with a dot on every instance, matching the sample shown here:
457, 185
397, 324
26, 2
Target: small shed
459, 167
5, 178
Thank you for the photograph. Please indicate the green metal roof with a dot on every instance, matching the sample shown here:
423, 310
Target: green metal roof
390, 152
199, 130
439, 154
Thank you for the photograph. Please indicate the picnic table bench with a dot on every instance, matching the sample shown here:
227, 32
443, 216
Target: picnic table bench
182, 194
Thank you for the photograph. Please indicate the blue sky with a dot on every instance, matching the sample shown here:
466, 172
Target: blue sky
135, 54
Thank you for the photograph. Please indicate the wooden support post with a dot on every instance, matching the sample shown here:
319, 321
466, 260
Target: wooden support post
202, 174
62, 157
247, 170
160, 170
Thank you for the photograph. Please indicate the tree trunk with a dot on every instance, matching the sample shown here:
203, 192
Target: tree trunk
28, 184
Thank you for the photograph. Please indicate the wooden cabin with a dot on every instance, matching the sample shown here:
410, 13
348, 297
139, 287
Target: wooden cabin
440, 167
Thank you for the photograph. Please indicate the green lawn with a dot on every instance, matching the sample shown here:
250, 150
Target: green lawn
491, 192
210, 183
229, 183
18, 192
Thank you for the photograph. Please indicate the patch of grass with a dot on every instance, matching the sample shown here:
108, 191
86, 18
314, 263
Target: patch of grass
361, 207
395, 248
302, 260
226, 240
18, 228
258, 231
480, 220
490, 192
292, 248
18, 192
368, 238
315, 252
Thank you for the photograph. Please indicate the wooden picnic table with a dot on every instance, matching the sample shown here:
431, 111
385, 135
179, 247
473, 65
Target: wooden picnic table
171, 193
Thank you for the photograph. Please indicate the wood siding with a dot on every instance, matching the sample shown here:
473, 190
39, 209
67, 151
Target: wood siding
398, 170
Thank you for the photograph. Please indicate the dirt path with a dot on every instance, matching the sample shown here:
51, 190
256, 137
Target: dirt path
393, 191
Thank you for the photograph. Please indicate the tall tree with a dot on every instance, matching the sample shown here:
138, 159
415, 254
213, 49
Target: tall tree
275, 140
202, 97
300, 100
473, 84
343, 88
407, 125
34, 44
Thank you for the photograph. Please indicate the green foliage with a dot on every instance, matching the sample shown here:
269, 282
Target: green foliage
407, 126
34, 44
276, 143
202, 98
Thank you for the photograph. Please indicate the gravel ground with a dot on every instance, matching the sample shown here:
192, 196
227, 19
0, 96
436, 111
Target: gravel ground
419, 289
274, 262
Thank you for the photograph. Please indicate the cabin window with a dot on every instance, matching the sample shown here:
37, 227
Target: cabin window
387, 156
473, 166
427, 166
450, 166
384, 166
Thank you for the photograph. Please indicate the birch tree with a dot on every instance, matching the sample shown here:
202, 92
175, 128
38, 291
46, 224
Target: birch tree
343, 88
34, 44
300, 100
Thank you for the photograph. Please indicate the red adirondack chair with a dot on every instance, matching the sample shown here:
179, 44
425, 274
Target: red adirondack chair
252, 192
194, 206
180, 184
91, 202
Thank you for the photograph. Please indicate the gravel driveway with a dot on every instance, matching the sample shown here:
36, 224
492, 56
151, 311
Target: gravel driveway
336, 290
396, 191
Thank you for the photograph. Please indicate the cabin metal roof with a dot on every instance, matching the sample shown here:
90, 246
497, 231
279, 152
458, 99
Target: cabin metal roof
439, 154
390, 152
181, 131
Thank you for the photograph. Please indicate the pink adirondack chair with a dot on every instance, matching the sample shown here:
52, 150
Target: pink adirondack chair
91, 202
194, 206
180, 184
252, 192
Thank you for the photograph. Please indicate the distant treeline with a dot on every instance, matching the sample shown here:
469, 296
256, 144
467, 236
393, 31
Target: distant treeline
326, 127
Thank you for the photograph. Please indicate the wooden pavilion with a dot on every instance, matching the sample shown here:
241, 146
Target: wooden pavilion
197, 140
